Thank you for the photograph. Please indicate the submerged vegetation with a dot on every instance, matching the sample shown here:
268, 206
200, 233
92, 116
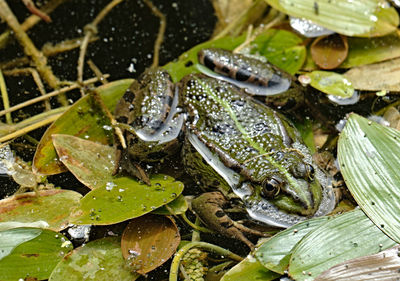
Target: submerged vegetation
335, 66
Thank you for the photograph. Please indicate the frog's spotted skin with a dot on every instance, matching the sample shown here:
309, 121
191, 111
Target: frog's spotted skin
255, 143
259, 78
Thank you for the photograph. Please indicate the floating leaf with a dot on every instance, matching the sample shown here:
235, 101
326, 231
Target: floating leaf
345, 237
329, 52
149, 241
35, 257
52, 206
91, 163
376, 77
382, 266
363, 18
275, 253
370, 164
282, 48
125, 198
176, 207
98, 260
84, 119
331, 83
371, 50
249, 269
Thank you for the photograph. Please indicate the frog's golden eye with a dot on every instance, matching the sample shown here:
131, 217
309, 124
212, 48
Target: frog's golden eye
270, 188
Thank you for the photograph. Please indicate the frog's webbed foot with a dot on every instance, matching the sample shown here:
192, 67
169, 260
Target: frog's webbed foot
210, 208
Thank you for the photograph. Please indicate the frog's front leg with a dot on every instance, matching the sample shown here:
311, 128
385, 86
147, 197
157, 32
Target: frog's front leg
210, 209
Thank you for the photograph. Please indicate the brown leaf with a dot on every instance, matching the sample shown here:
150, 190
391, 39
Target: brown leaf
330, 51
381, 266
149, 241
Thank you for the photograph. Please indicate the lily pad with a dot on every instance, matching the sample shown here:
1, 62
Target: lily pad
98, 260
84, 119
51, 206
275, 253
361, 18
345, 237
281, 48
149, 241
382, 266
91, 163
376, 77
373, 175
249, 269
35, 257
125, 198
176, 207
331, 83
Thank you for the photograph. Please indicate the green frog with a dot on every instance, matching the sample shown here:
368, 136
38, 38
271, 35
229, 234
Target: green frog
233, 144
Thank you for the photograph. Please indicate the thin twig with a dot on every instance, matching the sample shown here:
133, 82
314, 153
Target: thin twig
51, 94
4, 95
36, 78
35, 11
91, 30
29, 48
97, 72
160, 34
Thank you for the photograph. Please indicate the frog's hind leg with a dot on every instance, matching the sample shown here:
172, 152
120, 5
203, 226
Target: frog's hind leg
210, 209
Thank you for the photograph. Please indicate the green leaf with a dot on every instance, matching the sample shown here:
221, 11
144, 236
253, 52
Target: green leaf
345, 237
249, 269
282, 48
91, 163
84, 119
371, 50
370, 164
331, 83
362, 18
275, 253
97, 260
51, 206
9, 239
186, 63
35, 258
125, 198
176, 207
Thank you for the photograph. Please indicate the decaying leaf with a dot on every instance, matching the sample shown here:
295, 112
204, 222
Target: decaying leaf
376, 77
91, 163
330, 51
149, 241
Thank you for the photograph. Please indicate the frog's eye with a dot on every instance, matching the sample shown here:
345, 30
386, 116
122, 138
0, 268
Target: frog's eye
310, 171
270, 188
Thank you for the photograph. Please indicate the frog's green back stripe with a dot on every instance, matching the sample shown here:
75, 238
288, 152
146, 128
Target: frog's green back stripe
255, 145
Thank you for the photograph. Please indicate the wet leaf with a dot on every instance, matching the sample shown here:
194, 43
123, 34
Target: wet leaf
52, 206
36, 254
176, 207
376, 77
91, 163
282, 48
84, 119
371, 50
249, 269
373, 176
186, 63
331, 83
362, 18
98, 260
345, 237
329, 52
125, 198
275, 253
149, 241
382, 266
